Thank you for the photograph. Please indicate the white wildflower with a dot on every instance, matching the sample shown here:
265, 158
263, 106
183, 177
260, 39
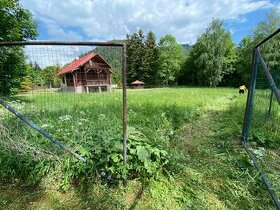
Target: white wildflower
101, 116
65, 117
45, 126
84, 120
260, 152
82, 113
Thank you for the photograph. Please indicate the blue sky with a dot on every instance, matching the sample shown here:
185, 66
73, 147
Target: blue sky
95, 20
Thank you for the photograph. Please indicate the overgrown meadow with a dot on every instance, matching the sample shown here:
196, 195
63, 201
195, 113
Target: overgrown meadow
183, 151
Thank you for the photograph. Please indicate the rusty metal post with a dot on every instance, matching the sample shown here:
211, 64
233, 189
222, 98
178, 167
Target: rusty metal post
124, 135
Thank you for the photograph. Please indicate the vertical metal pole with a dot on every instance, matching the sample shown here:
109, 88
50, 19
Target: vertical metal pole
270, 103
250, 97
124, 104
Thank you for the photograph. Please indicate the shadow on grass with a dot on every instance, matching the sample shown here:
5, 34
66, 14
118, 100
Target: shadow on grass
18, 197
20, 98
137, 198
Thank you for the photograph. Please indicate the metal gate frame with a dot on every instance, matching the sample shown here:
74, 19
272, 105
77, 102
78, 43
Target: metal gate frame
257, 59
45, 133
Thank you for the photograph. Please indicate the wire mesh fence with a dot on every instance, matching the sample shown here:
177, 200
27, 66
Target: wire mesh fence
73, 92
266, 112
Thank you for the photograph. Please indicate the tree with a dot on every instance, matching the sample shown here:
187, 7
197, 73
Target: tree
49, 75
244, 59
117, 72
16, 24
26, 84
269, 50
37, 75
135, 55
150, 60
213, 55
113, 56
188, 72
171, 55
34, 73
142, 57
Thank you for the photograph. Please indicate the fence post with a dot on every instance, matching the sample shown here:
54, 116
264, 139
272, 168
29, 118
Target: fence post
250, 97
124, 134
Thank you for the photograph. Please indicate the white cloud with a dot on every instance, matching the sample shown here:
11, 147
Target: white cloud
57, 32
105, 20
46, 55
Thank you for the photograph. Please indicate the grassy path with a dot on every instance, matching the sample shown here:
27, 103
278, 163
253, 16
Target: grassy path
219, 174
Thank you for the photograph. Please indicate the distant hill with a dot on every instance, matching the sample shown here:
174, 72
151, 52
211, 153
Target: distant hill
186, 47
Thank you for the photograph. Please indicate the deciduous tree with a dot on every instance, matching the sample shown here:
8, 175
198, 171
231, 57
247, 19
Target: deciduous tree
16, 24
171, 55
213, 55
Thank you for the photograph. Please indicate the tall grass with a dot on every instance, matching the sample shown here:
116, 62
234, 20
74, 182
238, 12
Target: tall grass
182, 140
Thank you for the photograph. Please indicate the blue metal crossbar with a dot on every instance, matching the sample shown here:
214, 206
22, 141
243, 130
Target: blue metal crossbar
40, 130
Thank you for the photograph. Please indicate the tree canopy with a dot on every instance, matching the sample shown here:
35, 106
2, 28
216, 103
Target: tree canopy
16, 24
171, 56
135, 55
213, 55
265, 28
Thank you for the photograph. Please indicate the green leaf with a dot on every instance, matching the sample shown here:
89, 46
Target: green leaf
142, 153
84, 152
118, 146
115, 158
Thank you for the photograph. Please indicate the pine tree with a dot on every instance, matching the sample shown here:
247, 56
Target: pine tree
150, 61
135, 55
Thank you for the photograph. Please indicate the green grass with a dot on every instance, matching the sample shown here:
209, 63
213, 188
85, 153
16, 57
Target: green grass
197, 127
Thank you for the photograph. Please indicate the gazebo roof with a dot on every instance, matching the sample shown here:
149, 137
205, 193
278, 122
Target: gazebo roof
137, 82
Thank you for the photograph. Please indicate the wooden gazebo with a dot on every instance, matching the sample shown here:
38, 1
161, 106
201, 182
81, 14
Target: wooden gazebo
137, 84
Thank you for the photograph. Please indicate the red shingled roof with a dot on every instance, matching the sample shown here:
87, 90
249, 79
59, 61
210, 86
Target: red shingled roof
76, 63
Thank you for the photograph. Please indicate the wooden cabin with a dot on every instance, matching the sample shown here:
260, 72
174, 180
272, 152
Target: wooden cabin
89, 73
